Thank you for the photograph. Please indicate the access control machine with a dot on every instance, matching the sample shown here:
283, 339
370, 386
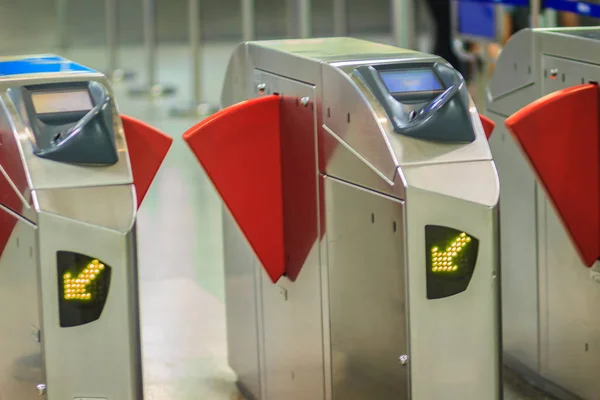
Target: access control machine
545, 91
361, 226
72, 174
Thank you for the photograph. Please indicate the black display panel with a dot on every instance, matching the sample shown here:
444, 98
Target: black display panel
424, 100
411, 80
83, 285
451, 256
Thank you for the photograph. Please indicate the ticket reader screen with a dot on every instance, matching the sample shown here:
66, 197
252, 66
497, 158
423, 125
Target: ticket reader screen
83, 285
60, 102
451, 256
424, 100
71, 122
411, 80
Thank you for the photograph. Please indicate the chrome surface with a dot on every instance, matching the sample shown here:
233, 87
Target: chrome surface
306, 344
41, 388
550, 330
152, 87
470, 367
21, 363
367, 292
111, 374
340, 18
292, 329
111, 207
243, 308
248, 24
347, 165
402, 13
85, 209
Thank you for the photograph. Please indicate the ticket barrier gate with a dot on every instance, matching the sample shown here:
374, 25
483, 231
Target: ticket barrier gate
360, 237
545, 90
73, 172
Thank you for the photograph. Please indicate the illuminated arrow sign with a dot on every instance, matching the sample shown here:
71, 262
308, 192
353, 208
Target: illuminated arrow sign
445, 261
75, 288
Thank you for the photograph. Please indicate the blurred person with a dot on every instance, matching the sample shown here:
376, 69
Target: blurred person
441, 13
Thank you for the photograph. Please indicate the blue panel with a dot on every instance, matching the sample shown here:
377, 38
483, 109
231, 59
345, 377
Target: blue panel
521, 3
477, 19
579, 7
40, 65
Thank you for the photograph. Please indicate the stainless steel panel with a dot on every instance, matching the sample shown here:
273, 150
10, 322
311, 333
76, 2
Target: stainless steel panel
299, 67
111, 207
560, 43
569, 73
549, 299
515, 68
367, 293
518, 248
241, 303
474, 182
464, 327
291, 311
237, 78
573, 323
346, 164
77, 358
570, 326
329, 50
21, 361
352, 120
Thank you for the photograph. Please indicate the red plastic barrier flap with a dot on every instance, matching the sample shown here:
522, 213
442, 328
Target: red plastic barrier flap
12, 164
299, 183
240, 150
148, 148
488, 125
560, 135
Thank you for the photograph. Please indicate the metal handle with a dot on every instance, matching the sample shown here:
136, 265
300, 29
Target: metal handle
248, 20
93, 113
439, 102
150, 40
111, 26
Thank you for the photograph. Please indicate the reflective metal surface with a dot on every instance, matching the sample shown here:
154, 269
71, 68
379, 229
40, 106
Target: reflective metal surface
21, 363
63, 207
367, 293
549, 328
368, 167
470, 367
107, 374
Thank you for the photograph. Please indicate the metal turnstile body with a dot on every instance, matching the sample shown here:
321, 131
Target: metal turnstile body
69, 320
384, 198
551, 325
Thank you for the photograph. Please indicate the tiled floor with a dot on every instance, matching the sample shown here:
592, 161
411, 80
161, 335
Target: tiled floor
180, 246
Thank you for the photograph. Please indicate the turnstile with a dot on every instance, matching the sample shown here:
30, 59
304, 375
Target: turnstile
545, 89
72, 173
360, 238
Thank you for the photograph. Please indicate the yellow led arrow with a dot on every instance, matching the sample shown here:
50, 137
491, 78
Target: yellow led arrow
443, 261
75, 288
